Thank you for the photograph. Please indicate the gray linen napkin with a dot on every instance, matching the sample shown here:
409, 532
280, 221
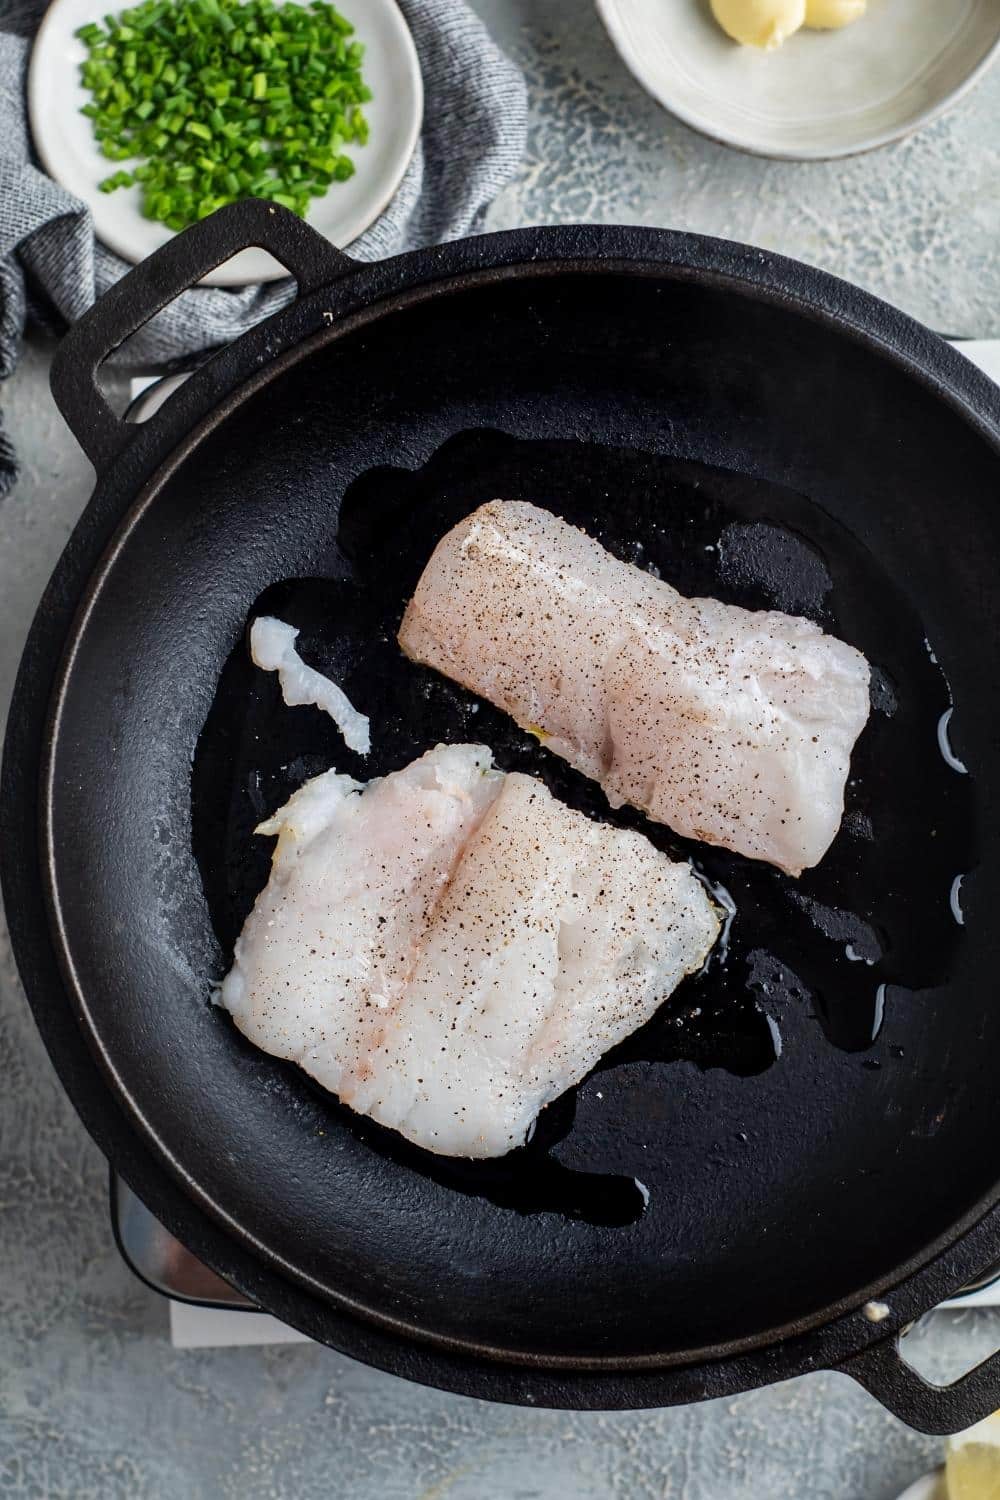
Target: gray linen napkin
52, 269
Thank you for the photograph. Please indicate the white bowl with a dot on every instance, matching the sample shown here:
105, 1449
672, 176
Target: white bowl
65, 142
824, 93
931, 1487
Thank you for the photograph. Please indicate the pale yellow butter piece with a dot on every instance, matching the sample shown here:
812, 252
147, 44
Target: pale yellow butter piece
973, 1462
830, 15
759, 23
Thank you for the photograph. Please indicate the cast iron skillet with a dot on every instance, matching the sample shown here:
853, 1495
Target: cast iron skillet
747, 426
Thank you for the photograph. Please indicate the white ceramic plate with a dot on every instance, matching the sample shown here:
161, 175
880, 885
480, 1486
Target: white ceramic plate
931, 1487
824, 93
65, 142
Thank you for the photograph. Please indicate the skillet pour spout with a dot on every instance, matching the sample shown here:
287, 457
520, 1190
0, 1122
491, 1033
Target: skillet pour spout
661, 389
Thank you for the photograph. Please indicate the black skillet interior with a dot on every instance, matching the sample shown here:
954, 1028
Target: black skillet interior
810, 1114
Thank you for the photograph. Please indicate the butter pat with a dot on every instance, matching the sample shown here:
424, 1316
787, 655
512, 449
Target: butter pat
768, 23
830, 15
973, 1462
761, 23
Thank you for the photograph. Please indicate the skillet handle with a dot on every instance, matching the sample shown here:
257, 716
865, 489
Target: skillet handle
174, 268
937, 1409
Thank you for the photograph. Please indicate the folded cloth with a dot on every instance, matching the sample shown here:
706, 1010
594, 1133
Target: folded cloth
52, 268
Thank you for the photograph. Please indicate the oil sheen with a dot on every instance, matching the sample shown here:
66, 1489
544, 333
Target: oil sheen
873, 927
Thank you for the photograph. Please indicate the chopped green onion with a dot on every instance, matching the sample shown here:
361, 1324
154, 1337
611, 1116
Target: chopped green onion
220, 99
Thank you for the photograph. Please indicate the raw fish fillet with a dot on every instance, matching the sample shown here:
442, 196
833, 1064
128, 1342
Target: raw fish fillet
450, 948
272, 648
730, 725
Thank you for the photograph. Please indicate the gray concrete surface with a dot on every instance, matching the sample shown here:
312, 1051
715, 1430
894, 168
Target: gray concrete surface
93, 1402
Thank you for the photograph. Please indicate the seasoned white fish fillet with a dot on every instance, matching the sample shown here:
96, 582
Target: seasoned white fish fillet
729, 725
450, 948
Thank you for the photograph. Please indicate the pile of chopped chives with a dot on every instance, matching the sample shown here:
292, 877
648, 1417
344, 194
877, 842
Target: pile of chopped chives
225, 99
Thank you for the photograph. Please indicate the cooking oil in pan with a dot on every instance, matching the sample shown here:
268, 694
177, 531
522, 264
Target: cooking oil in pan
837, 950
